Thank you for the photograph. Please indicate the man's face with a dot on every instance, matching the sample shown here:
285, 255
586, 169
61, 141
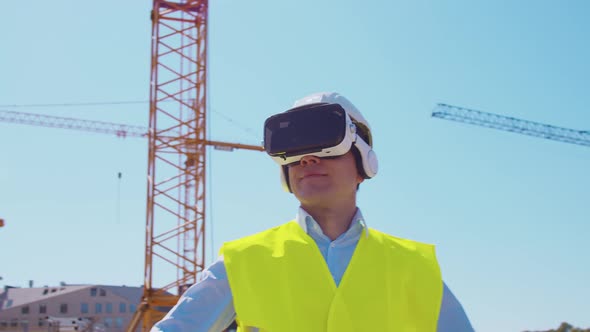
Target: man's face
323, 182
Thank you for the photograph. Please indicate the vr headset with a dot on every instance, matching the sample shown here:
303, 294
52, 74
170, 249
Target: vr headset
323, 130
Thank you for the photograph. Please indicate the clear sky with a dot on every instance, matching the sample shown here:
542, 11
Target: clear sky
509, 213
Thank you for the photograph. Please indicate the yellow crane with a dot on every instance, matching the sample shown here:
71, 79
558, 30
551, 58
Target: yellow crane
177, 141
175, 223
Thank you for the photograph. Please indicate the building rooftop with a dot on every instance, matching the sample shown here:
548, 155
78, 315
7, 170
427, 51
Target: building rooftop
20, 296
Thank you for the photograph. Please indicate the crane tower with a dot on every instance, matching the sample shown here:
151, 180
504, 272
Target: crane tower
175, 212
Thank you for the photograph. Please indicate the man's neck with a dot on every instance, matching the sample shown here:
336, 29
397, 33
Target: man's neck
334, 220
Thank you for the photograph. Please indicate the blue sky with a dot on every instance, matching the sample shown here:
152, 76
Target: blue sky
509, 213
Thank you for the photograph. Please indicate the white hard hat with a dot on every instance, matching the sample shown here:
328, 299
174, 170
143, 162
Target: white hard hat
368, 164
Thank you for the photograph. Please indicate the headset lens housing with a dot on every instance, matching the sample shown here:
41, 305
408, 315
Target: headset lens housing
303, 131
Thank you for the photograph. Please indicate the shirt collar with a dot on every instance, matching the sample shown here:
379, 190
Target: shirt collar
302, 215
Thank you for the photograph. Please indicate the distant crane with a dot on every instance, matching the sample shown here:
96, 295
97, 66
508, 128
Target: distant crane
121, 130
101, 127
490, 120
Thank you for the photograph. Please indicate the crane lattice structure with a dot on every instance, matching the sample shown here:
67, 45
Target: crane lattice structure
121, 130
511, 124
175, 223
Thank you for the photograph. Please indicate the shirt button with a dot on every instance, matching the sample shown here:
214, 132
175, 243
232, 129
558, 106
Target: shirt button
332, 245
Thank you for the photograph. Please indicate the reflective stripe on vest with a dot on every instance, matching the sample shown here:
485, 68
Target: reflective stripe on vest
280, 282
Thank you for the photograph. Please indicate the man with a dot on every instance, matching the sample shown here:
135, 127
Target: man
326, 270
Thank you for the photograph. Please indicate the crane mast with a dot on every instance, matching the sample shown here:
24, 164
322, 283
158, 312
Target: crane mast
490, 120
175, 213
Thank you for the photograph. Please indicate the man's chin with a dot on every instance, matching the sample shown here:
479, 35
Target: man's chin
315, 197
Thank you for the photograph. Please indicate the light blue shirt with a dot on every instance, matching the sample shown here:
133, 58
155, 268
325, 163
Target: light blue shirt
208, 305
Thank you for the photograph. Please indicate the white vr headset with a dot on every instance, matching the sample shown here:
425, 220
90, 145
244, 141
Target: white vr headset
323, 130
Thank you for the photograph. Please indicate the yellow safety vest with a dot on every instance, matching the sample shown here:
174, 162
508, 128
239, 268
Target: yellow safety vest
280, 282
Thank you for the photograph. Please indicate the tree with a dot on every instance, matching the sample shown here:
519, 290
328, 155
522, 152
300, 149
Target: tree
565, 327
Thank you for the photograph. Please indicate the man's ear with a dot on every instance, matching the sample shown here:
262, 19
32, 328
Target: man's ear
359, 178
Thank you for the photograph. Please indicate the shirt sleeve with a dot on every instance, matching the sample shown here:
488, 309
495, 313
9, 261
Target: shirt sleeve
205, 306
452, 317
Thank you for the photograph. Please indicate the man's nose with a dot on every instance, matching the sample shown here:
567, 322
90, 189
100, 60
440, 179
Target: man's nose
308, 160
